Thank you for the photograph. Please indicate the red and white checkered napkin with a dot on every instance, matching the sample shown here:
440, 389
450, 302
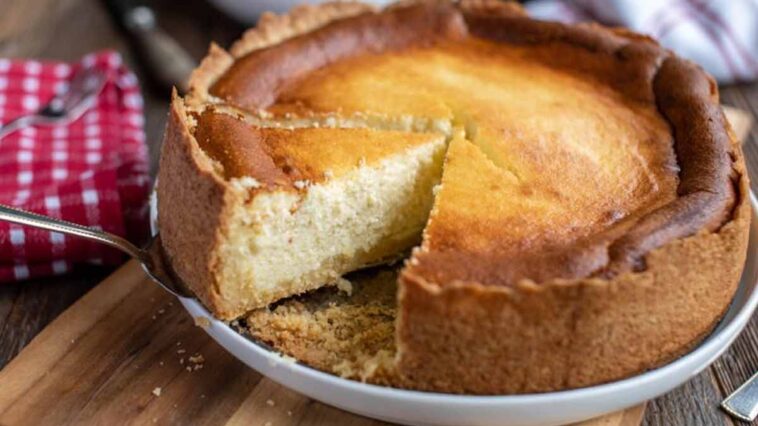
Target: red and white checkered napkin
93, 171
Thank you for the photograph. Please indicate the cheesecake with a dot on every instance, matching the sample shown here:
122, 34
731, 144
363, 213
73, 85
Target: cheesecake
574, 199
277, 211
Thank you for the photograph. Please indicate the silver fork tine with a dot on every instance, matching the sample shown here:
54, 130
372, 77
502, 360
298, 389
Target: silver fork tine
85, 84
66, 106
17, 124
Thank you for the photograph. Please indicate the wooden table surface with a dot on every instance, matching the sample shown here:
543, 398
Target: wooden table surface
68, 29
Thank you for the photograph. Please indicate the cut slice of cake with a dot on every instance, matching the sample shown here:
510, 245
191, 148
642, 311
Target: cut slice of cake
291, 209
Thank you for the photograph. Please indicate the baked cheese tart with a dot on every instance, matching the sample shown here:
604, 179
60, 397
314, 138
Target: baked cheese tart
574, 199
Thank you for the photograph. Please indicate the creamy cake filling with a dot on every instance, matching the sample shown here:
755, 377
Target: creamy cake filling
318, 202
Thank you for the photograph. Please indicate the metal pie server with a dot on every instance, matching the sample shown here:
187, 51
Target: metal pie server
151, 256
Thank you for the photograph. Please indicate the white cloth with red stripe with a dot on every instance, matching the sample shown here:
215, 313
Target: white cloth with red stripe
720, 35
93, 171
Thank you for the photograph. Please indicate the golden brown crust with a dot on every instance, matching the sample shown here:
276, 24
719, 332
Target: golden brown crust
191, 208
329, 328
625, 61
272, 29
214, 64
280, 157
274, 69
687, 97
239, 147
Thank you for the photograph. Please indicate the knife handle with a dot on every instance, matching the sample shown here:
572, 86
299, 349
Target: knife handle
166, 61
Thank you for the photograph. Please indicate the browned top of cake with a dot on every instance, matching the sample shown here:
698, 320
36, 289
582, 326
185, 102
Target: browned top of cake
595, 145
255, 80
294, 157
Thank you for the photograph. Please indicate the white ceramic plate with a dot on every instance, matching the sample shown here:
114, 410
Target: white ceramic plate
426, 408
248, 11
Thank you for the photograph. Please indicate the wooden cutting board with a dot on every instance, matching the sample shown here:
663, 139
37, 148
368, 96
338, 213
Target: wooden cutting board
127, 353
122, 354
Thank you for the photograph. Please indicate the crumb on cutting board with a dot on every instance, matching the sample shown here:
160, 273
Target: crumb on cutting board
202, 322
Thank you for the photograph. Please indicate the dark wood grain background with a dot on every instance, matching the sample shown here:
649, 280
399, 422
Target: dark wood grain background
68, 29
